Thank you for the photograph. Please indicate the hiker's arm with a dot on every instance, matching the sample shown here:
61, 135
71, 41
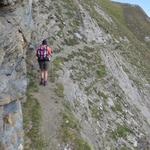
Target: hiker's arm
50, 51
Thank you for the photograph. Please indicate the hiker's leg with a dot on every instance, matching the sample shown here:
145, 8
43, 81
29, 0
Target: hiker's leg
46, 70
42, 74
42, 77
45, 75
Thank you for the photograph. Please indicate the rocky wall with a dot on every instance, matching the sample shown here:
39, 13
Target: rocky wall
15, 29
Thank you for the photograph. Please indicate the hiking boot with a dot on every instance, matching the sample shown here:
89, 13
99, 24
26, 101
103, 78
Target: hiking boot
45, 83
41, 82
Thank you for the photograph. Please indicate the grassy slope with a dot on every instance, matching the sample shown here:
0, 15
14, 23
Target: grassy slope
137, 21
137, 51
32, 117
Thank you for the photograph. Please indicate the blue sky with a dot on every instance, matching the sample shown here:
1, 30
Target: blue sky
145, 4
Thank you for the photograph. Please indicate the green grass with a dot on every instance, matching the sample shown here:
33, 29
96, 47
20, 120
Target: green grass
90, 60
101, 71
32, 115
70, 4
136, 19
114, 10
125, 148
71, 41
32, 85
57, 62
135, 52
117, 107
55, 66
121, 131
75, 23
72, 13
70, 130
102, 94
50, 41
95, 111
59, 90
31, 122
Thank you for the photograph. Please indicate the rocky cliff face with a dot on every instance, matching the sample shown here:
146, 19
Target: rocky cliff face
99, 68
15, 32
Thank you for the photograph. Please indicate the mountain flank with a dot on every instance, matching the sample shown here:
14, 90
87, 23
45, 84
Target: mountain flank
98, 93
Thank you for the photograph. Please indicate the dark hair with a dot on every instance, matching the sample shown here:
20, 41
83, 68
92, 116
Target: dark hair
44, 42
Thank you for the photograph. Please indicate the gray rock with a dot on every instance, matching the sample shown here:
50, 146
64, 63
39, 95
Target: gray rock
16, 24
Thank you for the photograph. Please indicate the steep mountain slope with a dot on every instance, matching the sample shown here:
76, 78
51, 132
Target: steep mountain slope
98, 68
98, 92
137, 21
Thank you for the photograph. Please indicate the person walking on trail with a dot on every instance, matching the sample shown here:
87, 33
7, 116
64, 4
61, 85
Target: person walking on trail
43, 54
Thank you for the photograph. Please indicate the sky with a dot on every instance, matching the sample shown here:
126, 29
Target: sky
145, 4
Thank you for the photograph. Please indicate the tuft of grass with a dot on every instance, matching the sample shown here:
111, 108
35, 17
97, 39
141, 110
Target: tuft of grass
117, 107
75, 23
101, 71
82, 145
60, 34
55, 66
32, 85
102, 94
71, 41
50, 40
121, 131
124, 148
59, 90
95, 111
57, 62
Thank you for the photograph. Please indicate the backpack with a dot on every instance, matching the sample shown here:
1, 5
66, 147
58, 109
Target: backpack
42, 54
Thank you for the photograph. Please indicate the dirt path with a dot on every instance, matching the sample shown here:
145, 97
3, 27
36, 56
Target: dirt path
51, 106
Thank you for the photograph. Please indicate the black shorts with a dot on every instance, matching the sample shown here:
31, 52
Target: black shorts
43, 65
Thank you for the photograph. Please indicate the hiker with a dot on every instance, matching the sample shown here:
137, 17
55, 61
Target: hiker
43, 54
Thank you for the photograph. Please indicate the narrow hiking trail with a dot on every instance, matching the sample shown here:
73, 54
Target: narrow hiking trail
51, 107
